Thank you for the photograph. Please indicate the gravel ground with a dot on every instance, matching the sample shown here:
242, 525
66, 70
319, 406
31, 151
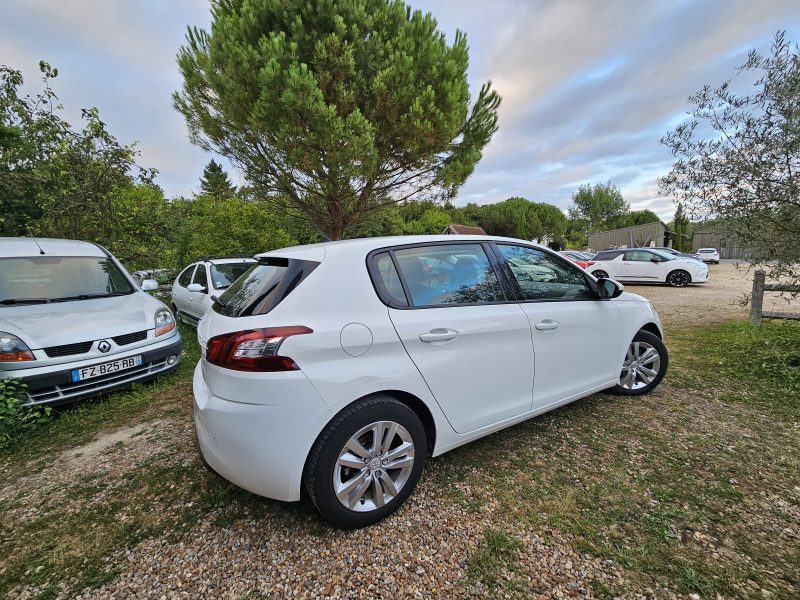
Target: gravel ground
427, 550
720, 299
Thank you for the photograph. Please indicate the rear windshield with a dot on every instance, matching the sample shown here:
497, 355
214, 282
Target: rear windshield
263, 286
225, 274
39, 279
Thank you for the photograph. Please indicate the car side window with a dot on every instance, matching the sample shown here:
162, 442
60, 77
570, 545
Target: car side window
390, 279
443, 275
542, 276
185, 278
200, 276
639, 255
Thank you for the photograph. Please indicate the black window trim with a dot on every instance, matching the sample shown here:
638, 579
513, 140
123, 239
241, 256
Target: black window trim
590, 280
385, 298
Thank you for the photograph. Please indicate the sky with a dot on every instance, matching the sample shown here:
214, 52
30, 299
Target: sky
589, 87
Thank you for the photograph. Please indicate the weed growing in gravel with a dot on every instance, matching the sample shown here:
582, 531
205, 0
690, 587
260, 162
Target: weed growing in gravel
496, 555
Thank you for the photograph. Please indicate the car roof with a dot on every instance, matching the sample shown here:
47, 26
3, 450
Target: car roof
225, 261
363, 246
28, 246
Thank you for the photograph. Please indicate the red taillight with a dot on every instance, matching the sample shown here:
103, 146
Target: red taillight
589, 263
582, 264
254, 349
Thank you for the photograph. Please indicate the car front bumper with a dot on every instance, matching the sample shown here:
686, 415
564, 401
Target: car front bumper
260, 441
53, 384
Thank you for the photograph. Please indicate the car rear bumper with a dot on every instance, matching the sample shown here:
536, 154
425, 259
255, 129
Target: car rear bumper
53, 384
259, 443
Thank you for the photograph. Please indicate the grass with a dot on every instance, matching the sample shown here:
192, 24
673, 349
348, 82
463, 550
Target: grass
695, 487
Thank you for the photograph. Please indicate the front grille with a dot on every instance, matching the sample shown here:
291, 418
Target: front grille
68, 349
129, 338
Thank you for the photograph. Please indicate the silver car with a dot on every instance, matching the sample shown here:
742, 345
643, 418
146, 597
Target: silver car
74, 324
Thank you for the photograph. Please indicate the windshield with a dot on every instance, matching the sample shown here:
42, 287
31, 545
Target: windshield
36, 279
225, 274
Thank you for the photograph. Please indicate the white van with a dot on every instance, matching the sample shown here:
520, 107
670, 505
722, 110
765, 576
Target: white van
74, 324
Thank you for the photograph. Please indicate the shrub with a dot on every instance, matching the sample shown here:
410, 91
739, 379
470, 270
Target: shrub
16, 418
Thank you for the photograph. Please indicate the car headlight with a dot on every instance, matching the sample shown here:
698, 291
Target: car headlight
165, 322
13, 349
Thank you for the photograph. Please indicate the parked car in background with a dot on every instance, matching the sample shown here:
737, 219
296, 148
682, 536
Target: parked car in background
194, 287
345, 389
676, 253
647, 265
73, 323
708, 255
578, 257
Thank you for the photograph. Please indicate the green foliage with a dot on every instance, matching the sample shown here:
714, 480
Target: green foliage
596, 208
215, 182
334, 109
15, 419
206, 226
431, 222
738, 158
681, 226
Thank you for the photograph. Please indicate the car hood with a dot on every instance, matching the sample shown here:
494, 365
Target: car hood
58, 323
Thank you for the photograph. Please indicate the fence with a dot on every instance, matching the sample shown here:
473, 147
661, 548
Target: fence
757, 301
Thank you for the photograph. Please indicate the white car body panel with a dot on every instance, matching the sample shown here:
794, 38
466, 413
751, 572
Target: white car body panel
195, 304
641, 271
247, 419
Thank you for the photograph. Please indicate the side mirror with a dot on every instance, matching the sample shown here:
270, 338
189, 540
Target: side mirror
149, 285
608, 288
196, 287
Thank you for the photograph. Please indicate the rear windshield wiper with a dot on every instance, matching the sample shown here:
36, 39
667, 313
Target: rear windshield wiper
25, 301
218, 301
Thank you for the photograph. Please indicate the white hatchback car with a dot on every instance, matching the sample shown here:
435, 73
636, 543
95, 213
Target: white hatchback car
340, 366
647, 265
73, 323
194, 286
709, 255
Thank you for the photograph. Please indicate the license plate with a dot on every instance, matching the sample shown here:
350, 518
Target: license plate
106, 368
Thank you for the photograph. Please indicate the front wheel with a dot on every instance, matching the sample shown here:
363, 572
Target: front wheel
644, 367
600, 274
176, 313
679, 279
366, 463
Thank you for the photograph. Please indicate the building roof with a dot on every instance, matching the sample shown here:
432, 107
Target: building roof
456, 229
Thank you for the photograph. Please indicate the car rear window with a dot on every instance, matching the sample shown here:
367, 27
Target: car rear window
265, 285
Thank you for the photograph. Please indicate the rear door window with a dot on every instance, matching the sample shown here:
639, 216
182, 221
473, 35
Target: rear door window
443, 275
200, 276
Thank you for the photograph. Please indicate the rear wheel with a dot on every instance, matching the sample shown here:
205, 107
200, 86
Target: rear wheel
176, 314
644, 367
600, 274
679, 279
366, 463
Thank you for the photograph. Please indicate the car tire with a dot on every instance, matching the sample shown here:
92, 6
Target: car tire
176, 313
636, 370
349, 476
679, 278
599, 274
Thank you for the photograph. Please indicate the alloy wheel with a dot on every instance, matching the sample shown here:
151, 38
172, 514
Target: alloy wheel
373, 466
679, 279
641, 366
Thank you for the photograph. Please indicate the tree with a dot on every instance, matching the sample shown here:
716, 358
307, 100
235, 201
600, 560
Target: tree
215, 182
597, 205
334, 109
681, 227
738, 158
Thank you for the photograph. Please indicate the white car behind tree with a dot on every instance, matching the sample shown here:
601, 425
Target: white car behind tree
647, 265
206, 277
709, 255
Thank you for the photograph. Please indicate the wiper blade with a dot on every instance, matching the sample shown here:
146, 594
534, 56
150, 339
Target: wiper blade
25, 301
216, 300
88, 296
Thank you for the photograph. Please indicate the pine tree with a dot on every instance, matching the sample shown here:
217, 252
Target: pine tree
215, 182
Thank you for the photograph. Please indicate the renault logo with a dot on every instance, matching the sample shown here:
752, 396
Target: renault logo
104, 346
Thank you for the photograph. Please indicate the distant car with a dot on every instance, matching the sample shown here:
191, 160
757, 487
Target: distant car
73, 323
579, 258
193, 288
709, 255
677, 254
647, 264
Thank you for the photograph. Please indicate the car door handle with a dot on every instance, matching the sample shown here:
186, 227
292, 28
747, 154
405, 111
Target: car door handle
438, 335
546, 324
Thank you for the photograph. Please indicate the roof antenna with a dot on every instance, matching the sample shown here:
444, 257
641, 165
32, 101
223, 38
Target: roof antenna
34, 239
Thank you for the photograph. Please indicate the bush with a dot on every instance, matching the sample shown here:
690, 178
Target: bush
15, 418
